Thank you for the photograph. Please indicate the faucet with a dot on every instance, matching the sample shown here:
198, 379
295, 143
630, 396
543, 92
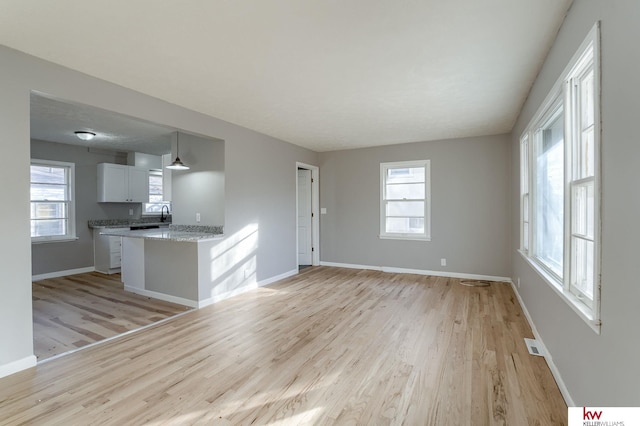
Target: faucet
162, 216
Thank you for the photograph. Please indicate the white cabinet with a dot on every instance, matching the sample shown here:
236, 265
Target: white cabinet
144, 161
107, 252
122, 184
138, 185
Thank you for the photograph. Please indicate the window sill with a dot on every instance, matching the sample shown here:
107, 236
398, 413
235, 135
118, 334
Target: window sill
574, 303
402, 237
54, 240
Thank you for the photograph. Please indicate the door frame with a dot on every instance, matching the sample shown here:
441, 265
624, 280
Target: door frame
315, 211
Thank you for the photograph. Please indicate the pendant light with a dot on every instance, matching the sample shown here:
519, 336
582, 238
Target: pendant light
177, 163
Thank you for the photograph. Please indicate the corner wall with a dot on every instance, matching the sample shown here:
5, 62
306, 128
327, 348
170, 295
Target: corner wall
598, 370
469, 211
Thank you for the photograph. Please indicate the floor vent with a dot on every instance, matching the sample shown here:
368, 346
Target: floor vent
534, 347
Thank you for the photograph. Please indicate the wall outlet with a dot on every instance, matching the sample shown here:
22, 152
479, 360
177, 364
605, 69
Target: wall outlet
518, 279
198, 217
130, 212
323, 210
443, 262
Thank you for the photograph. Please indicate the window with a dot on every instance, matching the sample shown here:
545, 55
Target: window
559, 196
548, 189
524, 193
156, 197
52, 201
405, 200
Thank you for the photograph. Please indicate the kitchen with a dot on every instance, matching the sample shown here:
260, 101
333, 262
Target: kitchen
122, 143
259, 202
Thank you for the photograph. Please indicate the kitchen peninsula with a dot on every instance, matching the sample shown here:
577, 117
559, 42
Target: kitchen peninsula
168, 263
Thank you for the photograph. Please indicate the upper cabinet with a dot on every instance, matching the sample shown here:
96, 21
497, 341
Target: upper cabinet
122, 184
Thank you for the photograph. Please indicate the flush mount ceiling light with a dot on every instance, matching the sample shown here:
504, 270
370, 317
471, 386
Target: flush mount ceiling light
177, 164
85, 136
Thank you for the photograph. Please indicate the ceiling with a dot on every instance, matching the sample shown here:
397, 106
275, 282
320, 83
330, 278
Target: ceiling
323, 74
56, 121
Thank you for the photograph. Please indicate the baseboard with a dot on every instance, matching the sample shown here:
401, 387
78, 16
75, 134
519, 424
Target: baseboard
162, 296
351, 266
395, 270
62, 273
19, 365
253, 286
277, 278
554, 370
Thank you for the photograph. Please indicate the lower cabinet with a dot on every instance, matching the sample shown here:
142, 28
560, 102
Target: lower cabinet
107, 252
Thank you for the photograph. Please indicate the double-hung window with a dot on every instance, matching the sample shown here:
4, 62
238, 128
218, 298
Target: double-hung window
405, 202
559, 185
548, 189
525, 222
156, 194
52, 201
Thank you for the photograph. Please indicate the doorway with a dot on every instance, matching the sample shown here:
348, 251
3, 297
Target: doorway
307, 219
72, 306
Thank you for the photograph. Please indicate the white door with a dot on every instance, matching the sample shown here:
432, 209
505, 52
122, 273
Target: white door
304, 217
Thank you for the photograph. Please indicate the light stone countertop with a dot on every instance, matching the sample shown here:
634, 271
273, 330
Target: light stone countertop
125, 223
173, 233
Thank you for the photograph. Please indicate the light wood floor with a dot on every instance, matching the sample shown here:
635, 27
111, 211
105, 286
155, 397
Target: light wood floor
75, 311
329, 346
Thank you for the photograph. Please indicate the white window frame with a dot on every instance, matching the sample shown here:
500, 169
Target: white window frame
71, 203
525, 216
564, 95
554, 109
426, 235
146, 205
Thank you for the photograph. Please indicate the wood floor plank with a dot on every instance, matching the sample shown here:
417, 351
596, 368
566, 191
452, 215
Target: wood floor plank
74, 311
328, 346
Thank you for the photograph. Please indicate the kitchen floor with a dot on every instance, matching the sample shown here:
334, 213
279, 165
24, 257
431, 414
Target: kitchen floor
78, 310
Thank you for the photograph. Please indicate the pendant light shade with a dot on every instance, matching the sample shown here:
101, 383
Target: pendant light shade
177, 163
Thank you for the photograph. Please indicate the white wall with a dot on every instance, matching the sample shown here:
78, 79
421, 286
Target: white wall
469, 211
259, 181
201, 188
16, 332
598, 370
55, 257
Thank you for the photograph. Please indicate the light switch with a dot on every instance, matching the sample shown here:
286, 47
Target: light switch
323, 210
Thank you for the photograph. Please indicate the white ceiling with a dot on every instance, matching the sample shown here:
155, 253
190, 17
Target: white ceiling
324, 74
56, 121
